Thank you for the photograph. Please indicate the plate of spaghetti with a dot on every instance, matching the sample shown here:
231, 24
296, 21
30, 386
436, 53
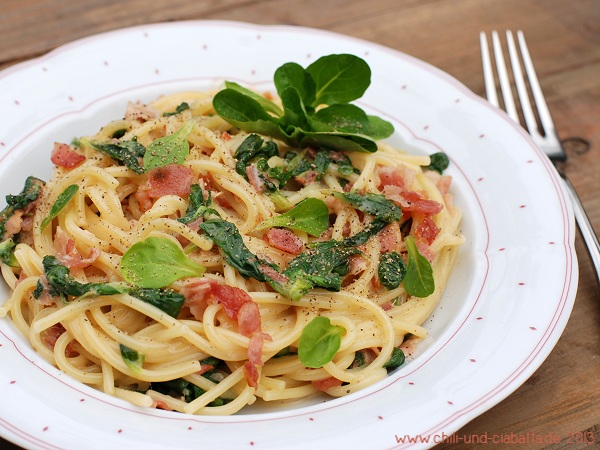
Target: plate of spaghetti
208, 239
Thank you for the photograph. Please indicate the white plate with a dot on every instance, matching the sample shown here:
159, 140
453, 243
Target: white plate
505, 306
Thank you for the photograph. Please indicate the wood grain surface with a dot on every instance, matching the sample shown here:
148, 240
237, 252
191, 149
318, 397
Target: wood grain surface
562, 398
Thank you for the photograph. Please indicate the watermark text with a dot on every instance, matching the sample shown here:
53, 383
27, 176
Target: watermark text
580, 437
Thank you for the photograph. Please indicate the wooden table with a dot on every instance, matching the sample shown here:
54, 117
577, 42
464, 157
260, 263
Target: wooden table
563, 396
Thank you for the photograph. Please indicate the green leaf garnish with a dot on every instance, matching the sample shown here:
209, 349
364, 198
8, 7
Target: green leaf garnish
246, 113
7, 255
166, 300
172, 149
391, 270
117, 134
156, 262
197, 206
310, 215
330, 83
128, 153
339, 78
60, 283
180, 388
30, 192
319, 342
418, 280
294, 75
252, 147
376, 204
133, 359
179, 109
235, 253
366, 233
61, 201
396, 360
352, 119
322, 265
295, 118
262, 101
438, 162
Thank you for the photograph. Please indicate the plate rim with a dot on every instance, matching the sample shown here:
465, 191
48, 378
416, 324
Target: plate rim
567, 303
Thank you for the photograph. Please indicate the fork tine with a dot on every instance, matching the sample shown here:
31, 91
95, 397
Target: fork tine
509, 102
538, 96
520, 83
488, 75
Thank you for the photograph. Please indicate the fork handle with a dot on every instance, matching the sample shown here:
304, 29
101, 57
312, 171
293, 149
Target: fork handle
589, 236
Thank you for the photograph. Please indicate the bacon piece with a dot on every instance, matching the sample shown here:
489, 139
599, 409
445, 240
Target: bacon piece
45, 298
285, 240
336, 156
311, 151
195, 224
394, 193
425, 250
307, 177
368, 356
201, 292
357, 264
248, 317
426, 231
13, 224
51, 335
272, 273
239, 306
22, 276
411, 200
195, 291
173, 179
68, 255
397, 182
408, 346
159, 404
204, 368
222, 201
255, 347
140, 112
444, 184
334, 204
251, 374
375, 282
231, 298
400, 176
64, 156
390, 237
254, 178
417, 203
326, 384
387, 306
27, 224
207, 183
143, 198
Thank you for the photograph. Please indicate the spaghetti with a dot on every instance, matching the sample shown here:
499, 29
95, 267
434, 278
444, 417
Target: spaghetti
229, 331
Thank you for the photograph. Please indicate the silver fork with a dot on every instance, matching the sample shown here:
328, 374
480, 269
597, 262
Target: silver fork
546, 139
